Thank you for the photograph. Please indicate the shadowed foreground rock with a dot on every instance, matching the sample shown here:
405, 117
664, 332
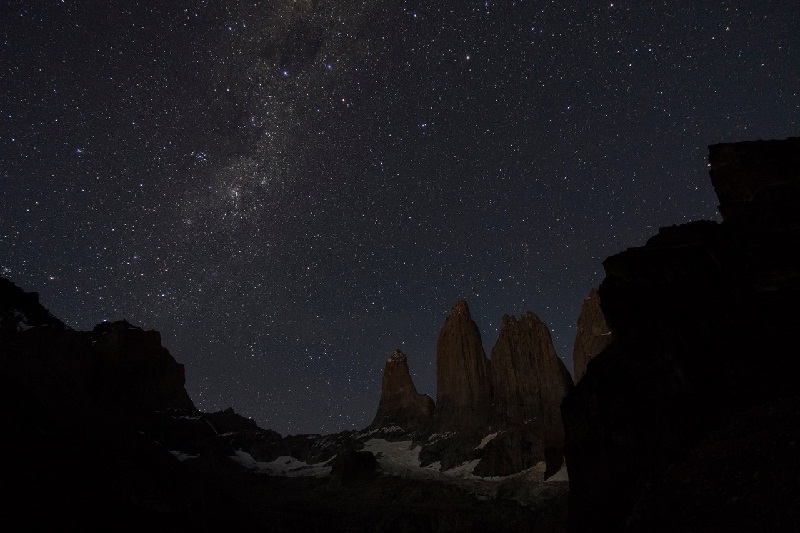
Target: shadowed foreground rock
687, 421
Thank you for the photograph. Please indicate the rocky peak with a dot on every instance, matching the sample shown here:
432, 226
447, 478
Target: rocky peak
400, 404
397, 356
528, 378
529, 381
461, 308
593, 334
463, 374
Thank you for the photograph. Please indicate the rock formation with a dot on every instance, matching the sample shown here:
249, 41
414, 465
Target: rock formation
592, 336
528, 378
504, 413
400, 404
132, 372
97, 430
114, 368
529, 382
463, 375
665, 429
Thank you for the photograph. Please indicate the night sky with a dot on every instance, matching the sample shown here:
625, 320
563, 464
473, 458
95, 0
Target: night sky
290, 190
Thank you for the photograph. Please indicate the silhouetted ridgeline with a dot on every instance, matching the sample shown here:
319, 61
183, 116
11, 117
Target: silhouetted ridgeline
690, 419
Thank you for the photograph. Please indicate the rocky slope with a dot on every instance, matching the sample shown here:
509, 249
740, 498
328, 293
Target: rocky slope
685, 421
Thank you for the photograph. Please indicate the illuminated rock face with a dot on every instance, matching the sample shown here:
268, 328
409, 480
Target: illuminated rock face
703, 370
401, 405
529, 379
592, 337
529, 383
463, 375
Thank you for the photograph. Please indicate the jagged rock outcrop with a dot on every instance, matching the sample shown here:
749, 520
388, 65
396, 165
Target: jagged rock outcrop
116, 367
20, 311
132, 372
592, 336
463, 375
704, 366
400, 404
756, 182
529, 382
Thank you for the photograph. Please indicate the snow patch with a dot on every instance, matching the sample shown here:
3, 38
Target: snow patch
463, 470
394, 457
181, 456
386, 430
436, 465
561, 475
486, 440
282, 466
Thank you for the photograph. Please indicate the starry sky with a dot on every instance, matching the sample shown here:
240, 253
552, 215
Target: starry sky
291, 189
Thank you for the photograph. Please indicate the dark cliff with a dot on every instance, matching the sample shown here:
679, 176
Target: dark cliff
116, 368
685, 422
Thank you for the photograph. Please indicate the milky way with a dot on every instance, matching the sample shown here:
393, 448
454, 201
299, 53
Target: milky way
290, 190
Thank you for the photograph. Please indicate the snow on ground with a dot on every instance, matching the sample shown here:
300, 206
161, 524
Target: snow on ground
463, 470
402, 459
561, 475
394, 457
486, 440
282, 466
180, 456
